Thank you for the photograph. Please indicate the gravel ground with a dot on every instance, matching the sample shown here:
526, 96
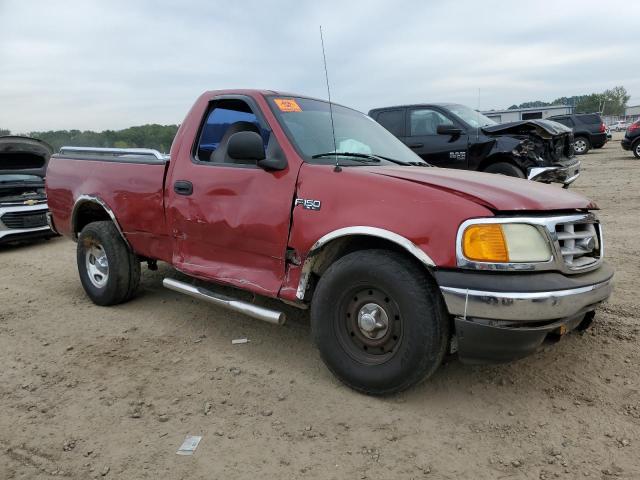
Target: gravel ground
91, 392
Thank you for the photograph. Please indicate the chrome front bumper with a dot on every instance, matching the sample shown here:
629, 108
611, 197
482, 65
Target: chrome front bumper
565, 175
525, 306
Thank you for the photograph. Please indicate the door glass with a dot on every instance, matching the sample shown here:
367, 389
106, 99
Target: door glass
426, 122
225, 114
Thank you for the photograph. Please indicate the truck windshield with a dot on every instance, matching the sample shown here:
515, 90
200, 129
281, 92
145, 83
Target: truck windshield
472, 117
359, 139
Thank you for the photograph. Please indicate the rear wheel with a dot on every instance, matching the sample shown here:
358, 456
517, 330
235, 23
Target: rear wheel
379, 322
581, 145
636, 149
505, 168
109, 271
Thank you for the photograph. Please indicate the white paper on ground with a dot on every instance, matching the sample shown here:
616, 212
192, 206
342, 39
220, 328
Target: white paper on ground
238, 341
189, 445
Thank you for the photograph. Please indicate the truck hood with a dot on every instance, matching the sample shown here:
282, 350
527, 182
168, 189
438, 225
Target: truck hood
544, 128
496, 192
24, 155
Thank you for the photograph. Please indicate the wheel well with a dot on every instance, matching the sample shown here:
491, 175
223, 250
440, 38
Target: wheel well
498, 158
86, 213
338, 248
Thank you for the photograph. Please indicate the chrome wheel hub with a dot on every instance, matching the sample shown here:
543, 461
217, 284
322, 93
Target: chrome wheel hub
579, 145
97, 265
373, 321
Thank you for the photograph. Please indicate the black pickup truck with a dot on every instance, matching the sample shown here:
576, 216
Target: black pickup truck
455, 136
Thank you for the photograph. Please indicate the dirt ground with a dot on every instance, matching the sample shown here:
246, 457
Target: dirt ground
91, 392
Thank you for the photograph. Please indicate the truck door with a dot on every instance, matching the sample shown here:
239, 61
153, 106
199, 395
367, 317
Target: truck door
449, 151
230, 221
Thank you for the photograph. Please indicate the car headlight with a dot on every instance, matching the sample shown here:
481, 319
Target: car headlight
505, 243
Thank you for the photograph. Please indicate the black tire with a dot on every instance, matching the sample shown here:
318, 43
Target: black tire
417, 334
505, 168
636, 149
119, 280
581, 145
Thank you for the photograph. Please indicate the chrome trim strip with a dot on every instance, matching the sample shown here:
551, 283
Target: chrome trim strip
408, 245
94, 199
570, 180
537, 171
115, 151
547, 226
261, 313
524, 306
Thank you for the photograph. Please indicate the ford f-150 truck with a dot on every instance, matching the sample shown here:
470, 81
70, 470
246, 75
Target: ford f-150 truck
282, 196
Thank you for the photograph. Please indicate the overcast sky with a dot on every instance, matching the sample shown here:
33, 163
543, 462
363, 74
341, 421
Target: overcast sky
112, 64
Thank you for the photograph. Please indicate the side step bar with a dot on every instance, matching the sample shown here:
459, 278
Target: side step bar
261, 313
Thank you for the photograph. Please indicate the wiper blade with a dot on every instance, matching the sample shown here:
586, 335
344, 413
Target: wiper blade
362, 157
399, 162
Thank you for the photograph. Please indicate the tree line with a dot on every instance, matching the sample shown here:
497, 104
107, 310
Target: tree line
143, 136
610, 102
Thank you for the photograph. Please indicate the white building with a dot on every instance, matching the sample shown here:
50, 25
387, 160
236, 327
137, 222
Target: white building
504, 116
632, 111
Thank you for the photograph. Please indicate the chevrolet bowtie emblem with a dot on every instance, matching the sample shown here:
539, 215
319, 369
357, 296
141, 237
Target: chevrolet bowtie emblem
30, 202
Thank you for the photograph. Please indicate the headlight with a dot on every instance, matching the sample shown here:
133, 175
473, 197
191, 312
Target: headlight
505, 243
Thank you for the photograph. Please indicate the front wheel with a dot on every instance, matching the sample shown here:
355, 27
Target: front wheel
505, 168
109, 271
379, 322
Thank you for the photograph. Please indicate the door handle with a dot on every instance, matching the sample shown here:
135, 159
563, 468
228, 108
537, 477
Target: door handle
183, 187
416, 145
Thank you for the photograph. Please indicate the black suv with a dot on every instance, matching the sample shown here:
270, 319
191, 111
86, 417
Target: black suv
631, 140
454, 136
589, 131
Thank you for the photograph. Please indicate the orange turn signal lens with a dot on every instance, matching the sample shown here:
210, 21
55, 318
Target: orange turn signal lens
485, 243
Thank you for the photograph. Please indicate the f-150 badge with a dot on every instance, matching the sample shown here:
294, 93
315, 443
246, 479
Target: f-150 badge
308, 204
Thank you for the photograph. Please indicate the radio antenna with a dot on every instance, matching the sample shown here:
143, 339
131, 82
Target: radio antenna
333, 130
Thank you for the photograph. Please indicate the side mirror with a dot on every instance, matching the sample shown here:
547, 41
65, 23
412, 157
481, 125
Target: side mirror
246, 147
449, 130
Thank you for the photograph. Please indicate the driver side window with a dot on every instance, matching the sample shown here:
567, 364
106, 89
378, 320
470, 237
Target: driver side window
426, 121
228, 116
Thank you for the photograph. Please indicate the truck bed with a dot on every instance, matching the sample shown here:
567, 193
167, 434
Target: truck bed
130, 182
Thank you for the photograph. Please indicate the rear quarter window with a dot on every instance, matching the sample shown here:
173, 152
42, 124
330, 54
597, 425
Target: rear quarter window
566, 121
589, 118
392, 120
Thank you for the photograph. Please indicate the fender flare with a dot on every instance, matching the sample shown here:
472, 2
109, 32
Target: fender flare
84, 199
405, 243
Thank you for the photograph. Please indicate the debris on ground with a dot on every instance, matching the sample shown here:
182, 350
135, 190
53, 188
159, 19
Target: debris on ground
189, 445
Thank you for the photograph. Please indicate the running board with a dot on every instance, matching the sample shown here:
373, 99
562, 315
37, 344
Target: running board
271, 316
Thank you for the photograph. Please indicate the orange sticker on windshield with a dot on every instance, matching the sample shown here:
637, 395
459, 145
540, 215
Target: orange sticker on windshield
287, 105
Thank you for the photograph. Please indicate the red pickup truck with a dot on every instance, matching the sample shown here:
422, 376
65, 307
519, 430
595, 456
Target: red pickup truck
398, 261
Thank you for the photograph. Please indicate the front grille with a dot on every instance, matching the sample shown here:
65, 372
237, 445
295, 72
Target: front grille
580, 243
28, 219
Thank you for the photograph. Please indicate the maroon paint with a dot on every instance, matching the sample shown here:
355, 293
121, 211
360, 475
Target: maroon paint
236, 226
